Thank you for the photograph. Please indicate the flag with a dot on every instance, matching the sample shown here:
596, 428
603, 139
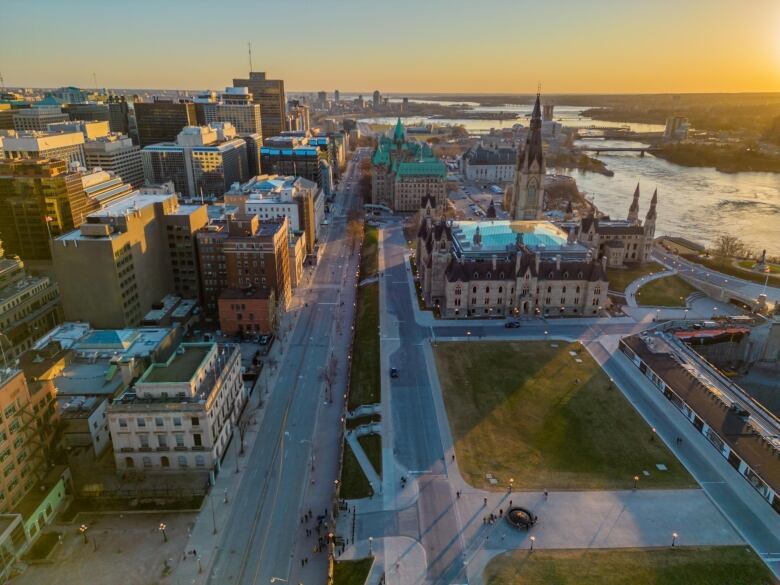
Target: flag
48, 218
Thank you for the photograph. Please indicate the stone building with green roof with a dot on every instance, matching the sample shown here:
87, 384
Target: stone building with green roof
404, 172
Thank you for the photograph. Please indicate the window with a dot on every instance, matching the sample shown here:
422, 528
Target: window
563, 290
147, 461
141, 422
162, 441
158, 421
197, 440
144, 441
122, 423
200, 461
179, 440
164, 461
195, 421
500, 289
176, 421
182, 461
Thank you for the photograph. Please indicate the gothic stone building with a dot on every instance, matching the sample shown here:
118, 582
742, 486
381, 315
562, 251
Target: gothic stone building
496, 268
403, 172
621, 241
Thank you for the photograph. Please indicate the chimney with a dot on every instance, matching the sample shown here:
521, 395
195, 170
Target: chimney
557, 262
604, 262
495, 263
536, 262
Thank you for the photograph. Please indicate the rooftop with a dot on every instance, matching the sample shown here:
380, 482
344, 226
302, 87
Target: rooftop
181, 367
499, 235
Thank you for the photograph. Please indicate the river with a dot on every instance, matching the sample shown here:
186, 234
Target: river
693, 202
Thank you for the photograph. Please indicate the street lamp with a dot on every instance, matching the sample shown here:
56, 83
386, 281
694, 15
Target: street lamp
685, 315
468, 335
162, 530
545, 335
511, 484
83, 530
371, 545
674, 538
533, 540
636, 480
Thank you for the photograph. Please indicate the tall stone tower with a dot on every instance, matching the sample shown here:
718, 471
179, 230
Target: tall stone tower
528, 193
633, 211
650, 226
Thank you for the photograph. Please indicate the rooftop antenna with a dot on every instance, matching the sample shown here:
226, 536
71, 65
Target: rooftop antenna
94, 79
2, 82
250, 55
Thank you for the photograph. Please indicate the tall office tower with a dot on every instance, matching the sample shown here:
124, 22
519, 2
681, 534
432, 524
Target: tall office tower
39, 199
298, 116
547, 112
254, 142
235, 106
87, 111
243, 253
38, 117
322, 98
162, 120
29, 307
292, 155
117, 264
269, 94
204, 159
336, 96
377, 99
118, 114
66, 146
118, 154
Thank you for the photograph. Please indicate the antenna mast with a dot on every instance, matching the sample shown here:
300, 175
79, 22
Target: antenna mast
249, 44
94, 80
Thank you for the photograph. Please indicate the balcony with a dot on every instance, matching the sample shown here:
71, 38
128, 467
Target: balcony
127, 450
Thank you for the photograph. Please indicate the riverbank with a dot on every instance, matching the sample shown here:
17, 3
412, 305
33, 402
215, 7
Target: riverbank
579, 161
726, 159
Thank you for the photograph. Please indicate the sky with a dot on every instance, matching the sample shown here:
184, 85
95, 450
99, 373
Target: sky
397, 46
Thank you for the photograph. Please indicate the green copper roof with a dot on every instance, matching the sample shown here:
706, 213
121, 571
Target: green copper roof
399, 132
434, 168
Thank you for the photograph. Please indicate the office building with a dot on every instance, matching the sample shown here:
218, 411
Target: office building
104, 187
125, 253
242, 252
69, 95
37, 118
291, 154
39, 199
118, 154
298, 116
235, 106
29, 307
271, 196
204, 160
87, 112
65, 146
254, 142
91, 129
84, 426
336, 96
162, 120
181, 413
269, 95
376, 99
118, 114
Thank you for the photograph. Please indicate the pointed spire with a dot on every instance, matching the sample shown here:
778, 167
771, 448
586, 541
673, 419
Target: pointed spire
399, 132
537, 113
633, 211
651, 213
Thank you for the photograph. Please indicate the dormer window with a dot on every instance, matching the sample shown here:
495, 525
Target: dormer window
476, 275
566, 274
579, 275
550, 275
489, 275
501, 276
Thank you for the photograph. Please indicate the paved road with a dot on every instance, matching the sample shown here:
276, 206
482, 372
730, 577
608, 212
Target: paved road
259, 540
417, 444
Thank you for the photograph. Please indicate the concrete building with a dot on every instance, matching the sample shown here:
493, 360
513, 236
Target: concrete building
499, 268
69, 95
13, 543
91, 129
234, 105
242, 252
621, 242
676, 128
126, 252
85, 425
271, 196
162, 119
88, 112
297, 249
291, 155
39, 199
118, 154
118, 115
404, 173
104, 187
298, 116
181, 413
269, 95
29, 307
248, 311
490, 163
203, 160
36, 119
66, 146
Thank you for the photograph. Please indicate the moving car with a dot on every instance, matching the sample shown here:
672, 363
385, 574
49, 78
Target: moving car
512, 324
393, 372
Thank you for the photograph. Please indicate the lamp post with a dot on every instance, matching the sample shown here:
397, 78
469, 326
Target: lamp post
545, 335
636, 481
511, 483
83, 530
533, 540
162, 531
468, 335
371, 545
674, 538
685, 315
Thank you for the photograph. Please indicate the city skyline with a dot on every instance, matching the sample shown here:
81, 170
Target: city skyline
606, 47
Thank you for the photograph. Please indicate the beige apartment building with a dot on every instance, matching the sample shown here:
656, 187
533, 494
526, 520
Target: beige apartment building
181, 413
117, 264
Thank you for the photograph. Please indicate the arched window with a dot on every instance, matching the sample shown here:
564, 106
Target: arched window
563, 290
129, 462
476, 275
566, 274
474, 289
578, 290
500, 289
164, 461
489, 275
487, 289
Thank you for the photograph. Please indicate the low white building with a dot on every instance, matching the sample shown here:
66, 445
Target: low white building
181, 413
489, 162
67, 146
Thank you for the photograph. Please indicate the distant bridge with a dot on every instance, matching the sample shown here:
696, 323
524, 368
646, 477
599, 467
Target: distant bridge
640, 149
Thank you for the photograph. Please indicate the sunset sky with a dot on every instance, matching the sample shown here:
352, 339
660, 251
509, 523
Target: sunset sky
488, 46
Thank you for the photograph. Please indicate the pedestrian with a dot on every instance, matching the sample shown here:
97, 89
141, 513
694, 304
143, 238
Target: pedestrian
545, 494
510, 503
453, 457
301, 562
458, 495
501, 512
484, 502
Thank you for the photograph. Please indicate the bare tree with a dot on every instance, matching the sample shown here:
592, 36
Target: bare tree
243, 425
328, 375
731, 247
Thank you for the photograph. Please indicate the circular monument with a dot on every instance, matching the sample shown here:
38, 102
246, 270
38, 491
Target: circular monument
520, 518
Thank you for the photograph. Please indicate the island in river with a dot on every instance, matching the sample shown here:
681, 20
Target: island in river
725, 158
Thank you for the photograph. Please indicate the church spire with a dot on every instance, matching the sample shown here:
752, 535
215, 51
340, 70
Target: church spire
528, 194
651, 213
399, 132
633, 211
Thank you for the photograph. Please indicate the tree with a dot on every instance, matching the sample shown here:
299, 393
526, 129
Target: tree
328, 375
731, 247
243, 425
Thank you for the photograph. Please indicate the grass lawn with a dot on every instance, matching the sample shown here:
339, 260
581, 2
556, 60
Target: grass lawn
517, 411
748, 265
369, 260
364, 383
620, 279
733, 565
354, 484
725, 266
372, 445
351, 572
669, 291
42, 547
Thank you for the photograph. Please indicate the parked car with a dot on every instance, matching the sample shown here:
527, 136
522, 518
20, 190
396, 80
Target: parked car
393, 372
512, 324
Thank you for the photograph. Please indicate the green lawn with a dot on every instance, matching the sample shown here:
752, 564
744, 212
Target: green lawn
369, 260
620, 279
516, 410
733, 565
372, 445
364, 382
725, 266
351, 572
354, 484
748, 265
669, 291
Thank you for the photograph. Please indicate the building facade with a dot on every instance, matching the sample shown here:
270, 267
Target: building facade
403, 173
162, 120
488, 163
66, 146
269, 95
118, 154
36, 119
181, 413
